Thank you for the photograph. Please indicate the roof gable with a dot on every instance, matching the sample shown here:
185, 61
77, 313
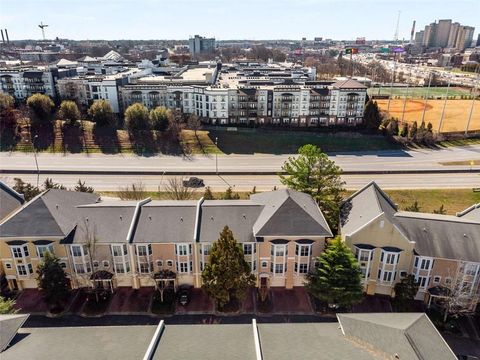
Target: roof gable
9, 325
10, 200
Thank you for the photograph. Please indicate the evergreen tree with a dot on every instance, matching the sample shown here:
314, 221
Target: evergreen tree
413, 131
414, 207
101, 113
441, 210
137, 117
230, 195
372, 116
337, 277
52, 281
28, 190
207, 195
81, 187
313, 173
227, 275
69, 112
159, 118
404, 131
49, 184
41, 107
405, 292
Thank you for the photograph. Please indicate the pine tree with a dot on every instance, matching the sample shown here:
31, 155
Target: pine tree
372, 116
81, 187
414, 207
227, 275
313, 173
404, 131
52, 281
405, 292
230, 195
413, 131
441, 210
337, 277
207, 195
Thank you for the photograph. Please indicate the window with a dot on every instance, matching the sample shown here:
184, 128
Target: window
253, 265
387, 276
182, 267
390, 258
205, 249
302, 250
42, 249
106, 263
301, 268
264, 264
145, 268
278, 250
363, 255
247, 249
8, 265
403, 274
170, 263
78, 250
20, 251
119, 250
95, 263
183, 249
144, 250
471, 269
423, 281
159, 263
425, 264
21, 270
437, 279
448, 281
280, 268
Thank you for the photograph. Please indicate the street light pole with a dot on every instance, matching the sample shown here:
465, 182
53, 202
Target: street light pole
474, 95
35, 155
444, 106
216, 156
426, 96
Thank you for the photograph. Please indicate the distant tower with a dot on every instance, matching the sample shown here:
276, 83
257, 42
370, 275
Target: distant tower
395, 37
42, 26
412, 34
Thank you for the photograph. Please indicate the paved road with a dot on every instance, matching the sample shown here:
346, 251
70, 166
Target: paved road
395, 160
262, 182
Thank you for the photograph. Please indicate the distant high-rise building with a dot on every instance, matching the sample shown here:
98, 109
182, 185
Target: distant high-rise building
445, 34
478, 40
200, 45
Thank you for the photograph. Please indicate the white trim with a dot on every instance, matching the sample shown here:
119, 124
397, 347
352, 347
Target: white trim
256, 340
135, 216
440, 336
196, 229
154, 342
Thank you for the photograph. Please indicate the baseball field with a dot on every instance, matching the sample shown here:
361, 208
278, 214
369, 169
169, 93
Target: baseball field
456, 112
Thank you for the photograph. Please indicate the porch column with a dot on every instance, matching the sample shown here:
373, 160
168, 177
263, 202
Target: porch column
133, 267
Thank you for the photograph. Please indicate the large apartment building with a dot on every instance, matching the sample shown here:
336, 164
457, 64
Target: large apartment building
441, 251
130, 243
445, 34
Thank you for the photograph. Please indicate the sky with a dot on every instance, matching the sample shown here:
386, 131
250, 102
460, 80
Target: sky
228, 19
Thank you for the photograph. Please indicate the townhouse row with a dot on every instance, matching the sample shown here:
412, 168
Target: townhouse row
441, 251
125, 243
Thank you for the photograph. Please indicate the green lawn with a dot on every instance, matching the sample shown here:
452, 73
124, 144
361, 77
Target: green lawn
419, 92
262, 141
453, 200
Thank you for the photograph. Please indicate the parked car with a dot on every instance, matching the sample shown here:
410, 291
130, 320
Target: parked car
193, 181
184, 294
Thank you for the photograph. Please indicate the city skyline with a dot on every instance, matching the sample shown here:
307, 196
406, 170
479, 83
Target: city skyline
149, 19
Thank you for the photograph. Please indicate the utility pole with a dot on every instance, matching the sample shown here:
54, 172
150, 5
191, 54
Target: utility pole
474, 93
35, 155
444, 106
216, 156
406, 95
426, 96
393, 79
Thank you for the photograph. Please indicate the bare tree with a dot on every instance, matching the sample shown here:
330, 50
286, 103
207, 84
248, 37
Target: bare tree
194, 123
460, 295
176, 190
135, 191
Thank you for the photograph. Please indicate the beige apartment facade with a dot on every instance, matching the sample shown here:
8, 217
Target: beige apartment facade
441, 251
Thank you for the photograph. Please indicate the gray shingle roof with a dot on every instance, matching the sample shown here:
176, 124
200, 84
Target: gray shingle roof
348, 84
408, 335
166, 222
363, 206
52, 213
107, 222
238, 215
10, 200
289, 213
442, 236
9, 325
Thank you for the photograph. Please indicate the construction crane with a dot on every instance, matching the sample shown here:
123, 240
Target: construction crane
395, 37
43, 26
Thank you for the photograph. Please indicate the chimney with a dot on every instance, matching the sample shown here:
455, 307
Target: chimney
3, 38
6, 34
